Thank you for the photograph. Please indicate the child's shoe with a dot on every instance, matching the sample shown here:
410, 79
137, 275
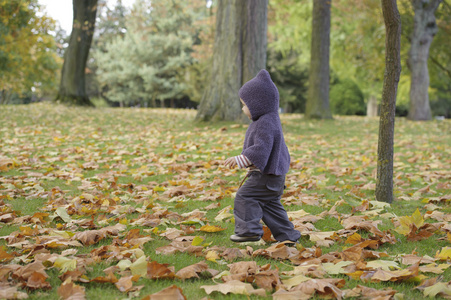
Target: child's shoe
241, 239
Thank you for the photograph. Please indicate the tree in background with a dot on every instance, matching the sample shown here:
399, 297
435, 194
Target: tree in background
239, 53
440, 63
72, 87
357, 46
424, 29
147, 64
28, 59
289, 33
110, 24
384, 182
317, 106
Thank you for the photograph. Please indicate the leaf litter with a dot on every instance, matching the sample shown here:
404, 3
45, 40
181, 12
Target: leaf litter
112, 182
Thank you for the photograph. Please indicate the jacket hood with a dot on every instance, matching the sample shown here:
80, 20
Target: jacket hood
260, 95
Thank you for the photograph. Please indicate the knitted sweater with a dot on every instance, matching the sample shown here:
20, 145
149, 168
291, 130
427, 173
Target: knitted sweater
264, 143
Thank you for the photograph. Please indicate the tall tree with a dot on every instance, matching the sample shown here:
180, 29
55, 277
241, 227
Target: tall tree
72, 87
28, 61
239, 52
424, 29
392, 19
317, 106
148, 62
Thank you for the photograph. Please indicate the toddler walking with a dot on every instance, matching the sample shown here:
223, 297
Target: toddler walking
266, 155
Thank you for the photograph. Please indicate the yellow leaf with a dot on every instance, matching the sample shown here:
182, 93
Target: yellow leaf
438, 288
65, 264
197, 241
210, 228
444, 254
159, 189
212, 256
139, 267
417, 218
386, 265
294, 281
335, 269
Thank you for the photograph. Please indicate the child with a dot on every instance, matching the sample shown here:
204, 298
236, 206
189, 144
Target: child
266, 154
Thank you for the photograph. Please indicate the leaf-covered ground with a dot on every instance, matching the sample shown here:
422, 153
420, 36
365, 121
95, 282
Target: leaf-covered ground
135, 203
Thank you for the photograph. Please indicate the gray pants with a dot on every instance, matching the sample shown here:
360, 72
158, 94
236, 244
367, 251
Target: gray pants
259, 199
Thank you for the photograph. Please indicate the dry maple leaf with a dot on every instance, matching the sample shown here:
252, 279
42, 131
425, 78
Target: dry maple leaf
233, 287
89, 237
268, 280
159, 271
192, 271
277, 251
173, 292
211, 228
110, 278
70, 291
329, 287
11, 292
364, 292
37, 280
232, 254
291, 295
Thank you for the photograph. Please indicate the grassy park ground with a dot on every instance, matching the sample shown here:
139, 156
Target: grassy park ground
123, 203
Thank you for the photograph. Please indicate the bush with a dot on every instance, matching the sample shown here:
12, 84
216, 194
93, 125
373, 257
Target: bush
346, 98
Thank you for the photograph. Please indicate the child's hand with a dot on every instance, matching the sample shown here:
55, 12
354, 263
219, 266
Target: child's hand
230, 162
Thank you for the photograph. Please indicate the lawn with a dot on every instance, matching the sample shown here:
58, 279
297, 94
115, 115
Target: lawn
118, 203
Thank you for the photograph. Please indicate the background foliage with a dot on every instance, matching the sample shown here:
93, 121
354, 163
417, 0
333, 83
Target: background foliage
142, 56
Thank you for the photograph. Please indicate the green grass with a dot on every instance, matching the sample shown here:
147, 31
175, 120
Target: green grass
123, 154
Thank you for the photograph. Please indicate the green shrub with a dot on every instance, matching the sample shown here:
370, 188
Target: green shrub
346, 98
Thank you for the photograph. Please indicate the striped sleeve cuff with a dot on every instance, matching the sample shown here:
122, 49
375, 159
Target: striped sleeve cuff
242, 161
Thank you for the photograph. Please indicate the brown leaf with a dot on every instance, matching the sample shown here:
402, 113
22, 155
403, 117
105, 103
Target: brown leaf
110, 278
89, 237
159, 271
170, 293
11, 292
192, 271
37, 280
124, 284
268, 280
232, 254
323, 287
70, 291
371, 293
291, 295
233, 287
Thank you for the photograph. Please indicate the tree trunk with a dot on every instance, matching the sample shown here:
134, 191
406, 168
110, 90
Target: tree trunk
317, 106
424, 29
371, 107
384, 182
72, 87
239, 54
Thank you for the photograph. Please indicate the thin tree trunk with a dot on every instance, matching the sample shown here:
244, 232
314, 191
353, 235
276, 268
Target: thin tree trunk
317, 106
371, 107
392, 19
239, 54
424, 29
72, 87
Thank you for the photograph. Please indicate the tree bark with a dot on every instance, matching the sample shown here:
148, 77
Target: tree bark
72, 87
239, 53
317, 106
424, 29
392, 19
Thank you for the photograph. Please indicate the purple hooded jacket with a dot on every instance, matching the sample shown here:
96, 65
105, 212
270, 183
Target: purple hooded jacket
264, 144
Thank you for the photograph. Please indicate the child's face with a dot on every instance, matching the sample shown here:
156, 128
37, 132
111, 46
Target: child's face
245, 109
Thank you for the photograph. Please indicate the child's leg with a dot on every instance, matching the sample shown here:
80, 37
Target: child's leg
247, 209
274, 214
